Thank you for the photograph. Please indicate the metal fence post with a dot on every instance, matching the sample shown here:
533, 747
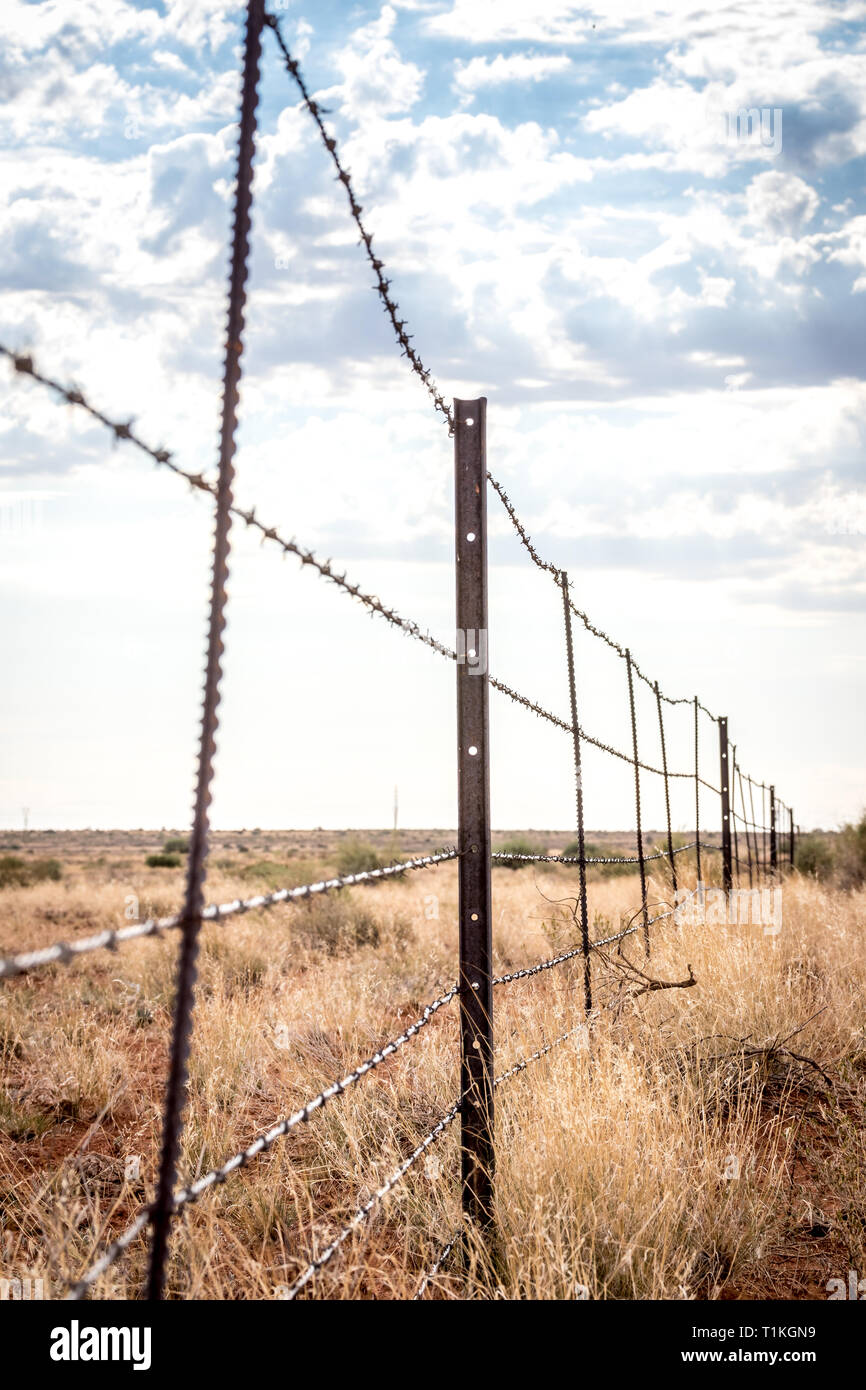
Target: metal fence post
727, 872
578, 782
791, 847
640, 854
697, 802
773, 857
473, 835
671, 856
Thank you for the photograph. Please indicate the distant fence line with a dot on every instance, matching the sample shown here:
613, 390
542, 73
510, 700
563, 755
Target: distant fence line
768, 841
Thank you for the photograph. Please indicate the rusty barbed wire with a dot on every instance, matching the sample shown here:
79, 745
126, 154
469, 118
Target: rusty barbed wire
191, 1193
63, 952
382, 287
24, 365
561, 578
574, 951
588, 859
184, 1003
364, 1211
437, 1264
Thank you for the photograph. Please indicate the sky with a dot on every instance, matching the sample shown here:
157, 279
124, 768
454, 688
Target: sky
661, 301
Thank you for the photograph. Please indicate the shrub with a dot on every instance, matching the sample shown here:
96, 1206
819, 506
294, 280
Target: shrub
517, 845
356, 857
851, 854
572, 851
178, 845
162, 861
813, 856
335, 924
20, 873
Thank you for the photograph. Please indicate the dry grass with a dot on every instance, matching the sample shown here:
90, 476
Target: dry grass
615, 1152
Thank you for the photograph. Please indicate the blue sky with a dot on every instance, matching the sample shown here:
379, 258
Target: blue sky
663, 309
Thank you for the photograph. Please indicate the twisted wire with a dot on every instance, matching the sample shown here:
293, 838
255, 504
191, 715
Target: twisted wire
578, 782
64, 952
437, 1264
637, 800
183, 1196
382, 286
590, 859
667, 789
175, 1093
364, 1211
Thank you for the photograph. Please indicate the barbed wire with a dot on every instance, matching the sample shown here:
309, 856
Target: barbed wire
589, 859
24, 365
437, 1264
364, 1211
64, 952
382, 286
191, 1193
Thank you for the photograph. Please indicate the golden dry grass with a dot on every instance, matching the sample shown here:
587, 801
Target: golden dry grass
615, 1151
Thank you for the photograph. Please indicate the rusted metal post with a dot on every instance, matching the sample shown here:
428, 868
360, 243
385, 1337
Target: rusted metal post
640, 855
697, 800
724, 763
773, 857
791, 847
671, 855
473, 835
578, 781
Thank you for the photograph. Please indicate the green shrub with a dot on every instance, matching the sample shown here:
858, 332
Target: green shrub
336, 924
272, 874
356, 857
20, 873
572, 851
517, 845
851, 854
813, 856
178, 845
162, 861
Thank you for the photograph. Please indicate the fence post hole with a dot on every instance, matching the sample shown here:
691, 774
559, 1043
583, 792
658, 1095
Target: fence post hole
175, 1094
643, 902
727, 873
473, 835
671, 855
773, 854
578, 780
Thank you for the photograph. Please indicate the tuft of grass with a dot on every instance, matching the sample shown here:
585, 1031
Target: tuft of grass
21, 873
572, 851
356, 856
517, 845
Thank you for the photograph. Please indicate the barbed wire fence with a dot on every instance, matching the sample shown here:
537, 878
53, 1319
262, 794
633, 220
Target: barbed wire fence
769, 841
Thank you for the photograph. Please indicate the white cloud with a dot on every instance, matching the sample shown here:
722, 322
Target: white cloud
480, 73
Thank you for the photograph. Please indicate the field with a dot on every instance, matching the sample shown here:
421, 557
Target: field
703, 1139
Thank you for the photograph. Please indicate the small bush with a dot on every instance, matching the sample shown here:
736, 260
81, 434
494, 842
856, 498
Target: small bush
572, 851
20, 873
162, 861
336, 924
851, 854
813, 856
178, 845
518, 845
272, 874
356, 857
